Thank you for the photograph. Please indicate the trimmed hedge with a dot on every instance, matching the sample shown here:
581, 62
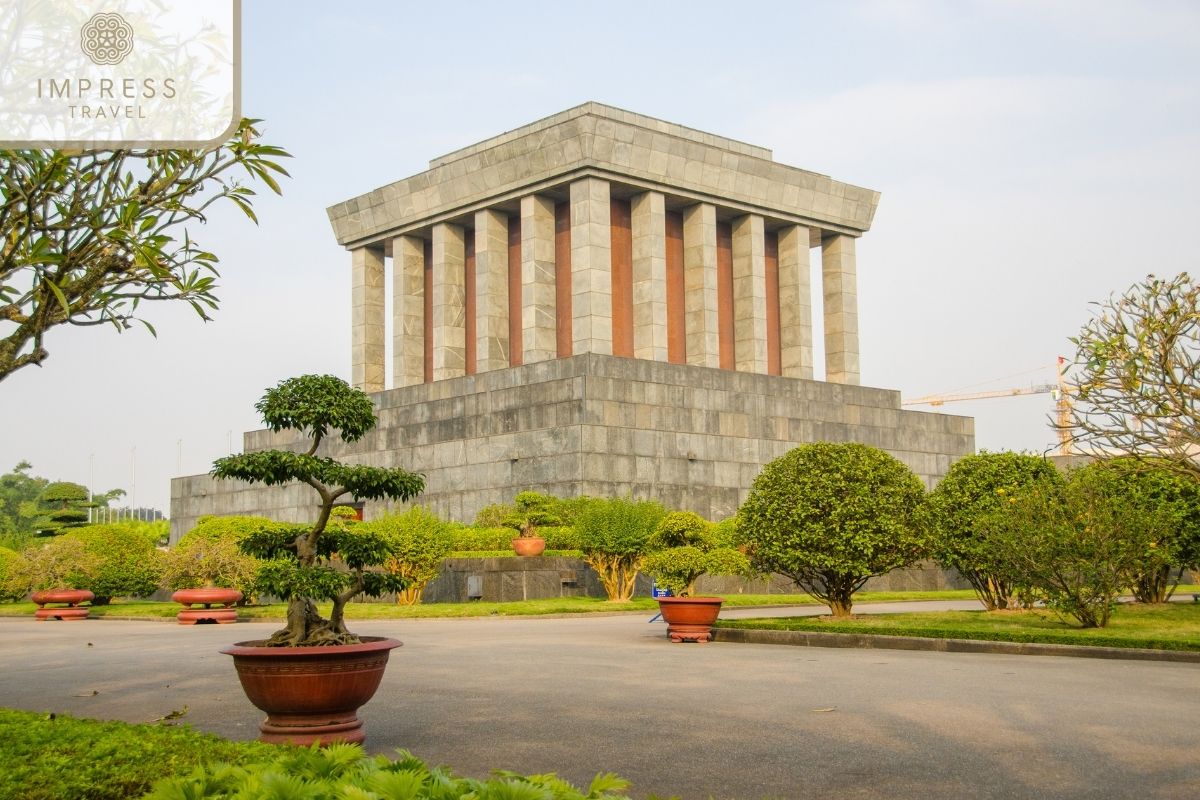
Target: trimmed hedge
467, 538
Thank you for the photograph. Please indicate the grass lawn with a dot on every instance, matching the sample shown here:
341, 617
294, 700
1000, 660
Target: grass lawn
563, 605
1173, 626
146, 609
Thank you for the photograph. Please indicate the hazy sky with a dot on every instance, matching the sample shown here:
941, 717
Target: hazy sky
1033, 157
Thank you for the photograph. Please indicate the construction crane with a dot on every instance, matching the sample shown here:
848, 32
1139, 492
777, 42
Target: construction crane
1060, 391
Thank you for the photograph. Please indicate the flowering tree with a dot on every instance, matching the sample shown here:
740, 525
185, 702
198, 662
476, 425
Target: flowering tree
1137, 370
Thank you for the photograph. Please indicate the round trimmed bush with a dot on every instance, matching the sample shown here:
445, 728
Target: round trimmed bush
973, 488
832, 515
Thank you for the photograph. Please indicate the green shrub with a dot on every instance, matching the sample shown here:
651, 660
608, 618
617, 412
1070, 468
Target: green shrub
209, 555
493, 516
344, 771
685, 546
830, 516
56, 757
63, 562
127, 564
974, 487
614, 535
418, 542
1152, 489
1078, 545
14, 575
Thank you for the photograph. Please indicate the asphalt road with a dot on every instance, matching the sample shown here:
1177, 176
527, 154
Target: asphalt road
592, 694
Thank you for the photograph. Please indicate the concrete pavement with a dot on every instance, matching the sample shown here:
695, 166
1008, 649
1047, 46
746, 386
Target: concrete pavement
592, 694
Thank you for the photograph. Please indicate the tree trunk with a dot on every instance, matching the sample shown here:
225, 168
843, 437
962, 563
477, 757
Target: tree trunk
410, 596
840, 606
1155, 586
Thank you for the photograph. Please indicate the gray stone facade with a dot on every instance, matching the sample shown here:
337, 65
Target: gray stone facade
523, 267
691, 437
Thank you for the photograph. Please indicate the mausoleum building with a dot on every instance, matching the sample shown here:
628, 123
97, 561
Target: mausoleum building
602, 303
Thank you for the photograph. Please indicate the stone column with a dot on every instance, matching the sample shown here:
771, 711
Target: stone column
591, 267
449, 302
539, 336
649, 224
700, 285
840, 292
749, 294
491, 290
367, 352
408, 310
795, 303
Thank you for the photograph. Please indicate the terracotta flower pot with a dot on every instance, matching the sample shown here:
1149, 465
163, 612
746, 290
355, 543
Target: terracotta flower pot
690, 619
311, 694
224, 598
71, 598
529, 545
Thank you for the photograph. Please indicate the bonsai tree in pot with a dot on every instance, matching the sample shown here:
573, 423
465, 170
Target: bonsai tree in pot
59, 573
207, 568
300, 566
684, 547
531, 510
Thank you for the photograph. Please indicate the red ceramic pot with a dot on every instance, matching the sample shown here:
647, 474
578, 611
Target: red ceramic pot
690, 619
529, 546
311, 694
223, 598
71, 598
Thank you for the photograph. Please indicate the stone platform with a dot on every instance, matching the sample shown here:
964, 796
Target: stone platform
691, 437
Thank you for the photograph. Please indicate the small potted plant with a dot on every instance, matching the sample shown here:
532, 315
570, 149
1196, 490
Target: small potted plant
684, 547
58, 573
530, 510
312, 676
209, 571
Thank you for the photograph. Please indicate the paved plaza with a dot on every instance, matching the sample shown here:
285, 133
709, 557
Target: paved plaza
592, 694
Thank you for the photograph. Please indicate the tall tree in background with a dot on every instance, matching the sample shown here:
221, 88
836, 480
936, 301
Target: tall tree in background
88, 237
19, 492
1137, 370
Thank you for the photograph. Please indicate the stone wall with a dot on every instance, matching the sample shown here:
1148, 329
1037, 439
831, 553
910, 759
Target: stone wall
692, 437
509, 579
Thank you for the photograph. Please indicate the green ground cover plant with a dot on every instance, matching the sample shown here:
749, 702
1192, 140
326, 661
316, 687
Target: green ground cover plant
57, 757
345, 772
1173, 626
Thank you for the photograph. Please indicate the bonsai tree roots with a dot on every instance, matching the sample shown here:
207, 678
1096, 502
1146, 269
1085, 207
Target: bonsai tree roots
299, 561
